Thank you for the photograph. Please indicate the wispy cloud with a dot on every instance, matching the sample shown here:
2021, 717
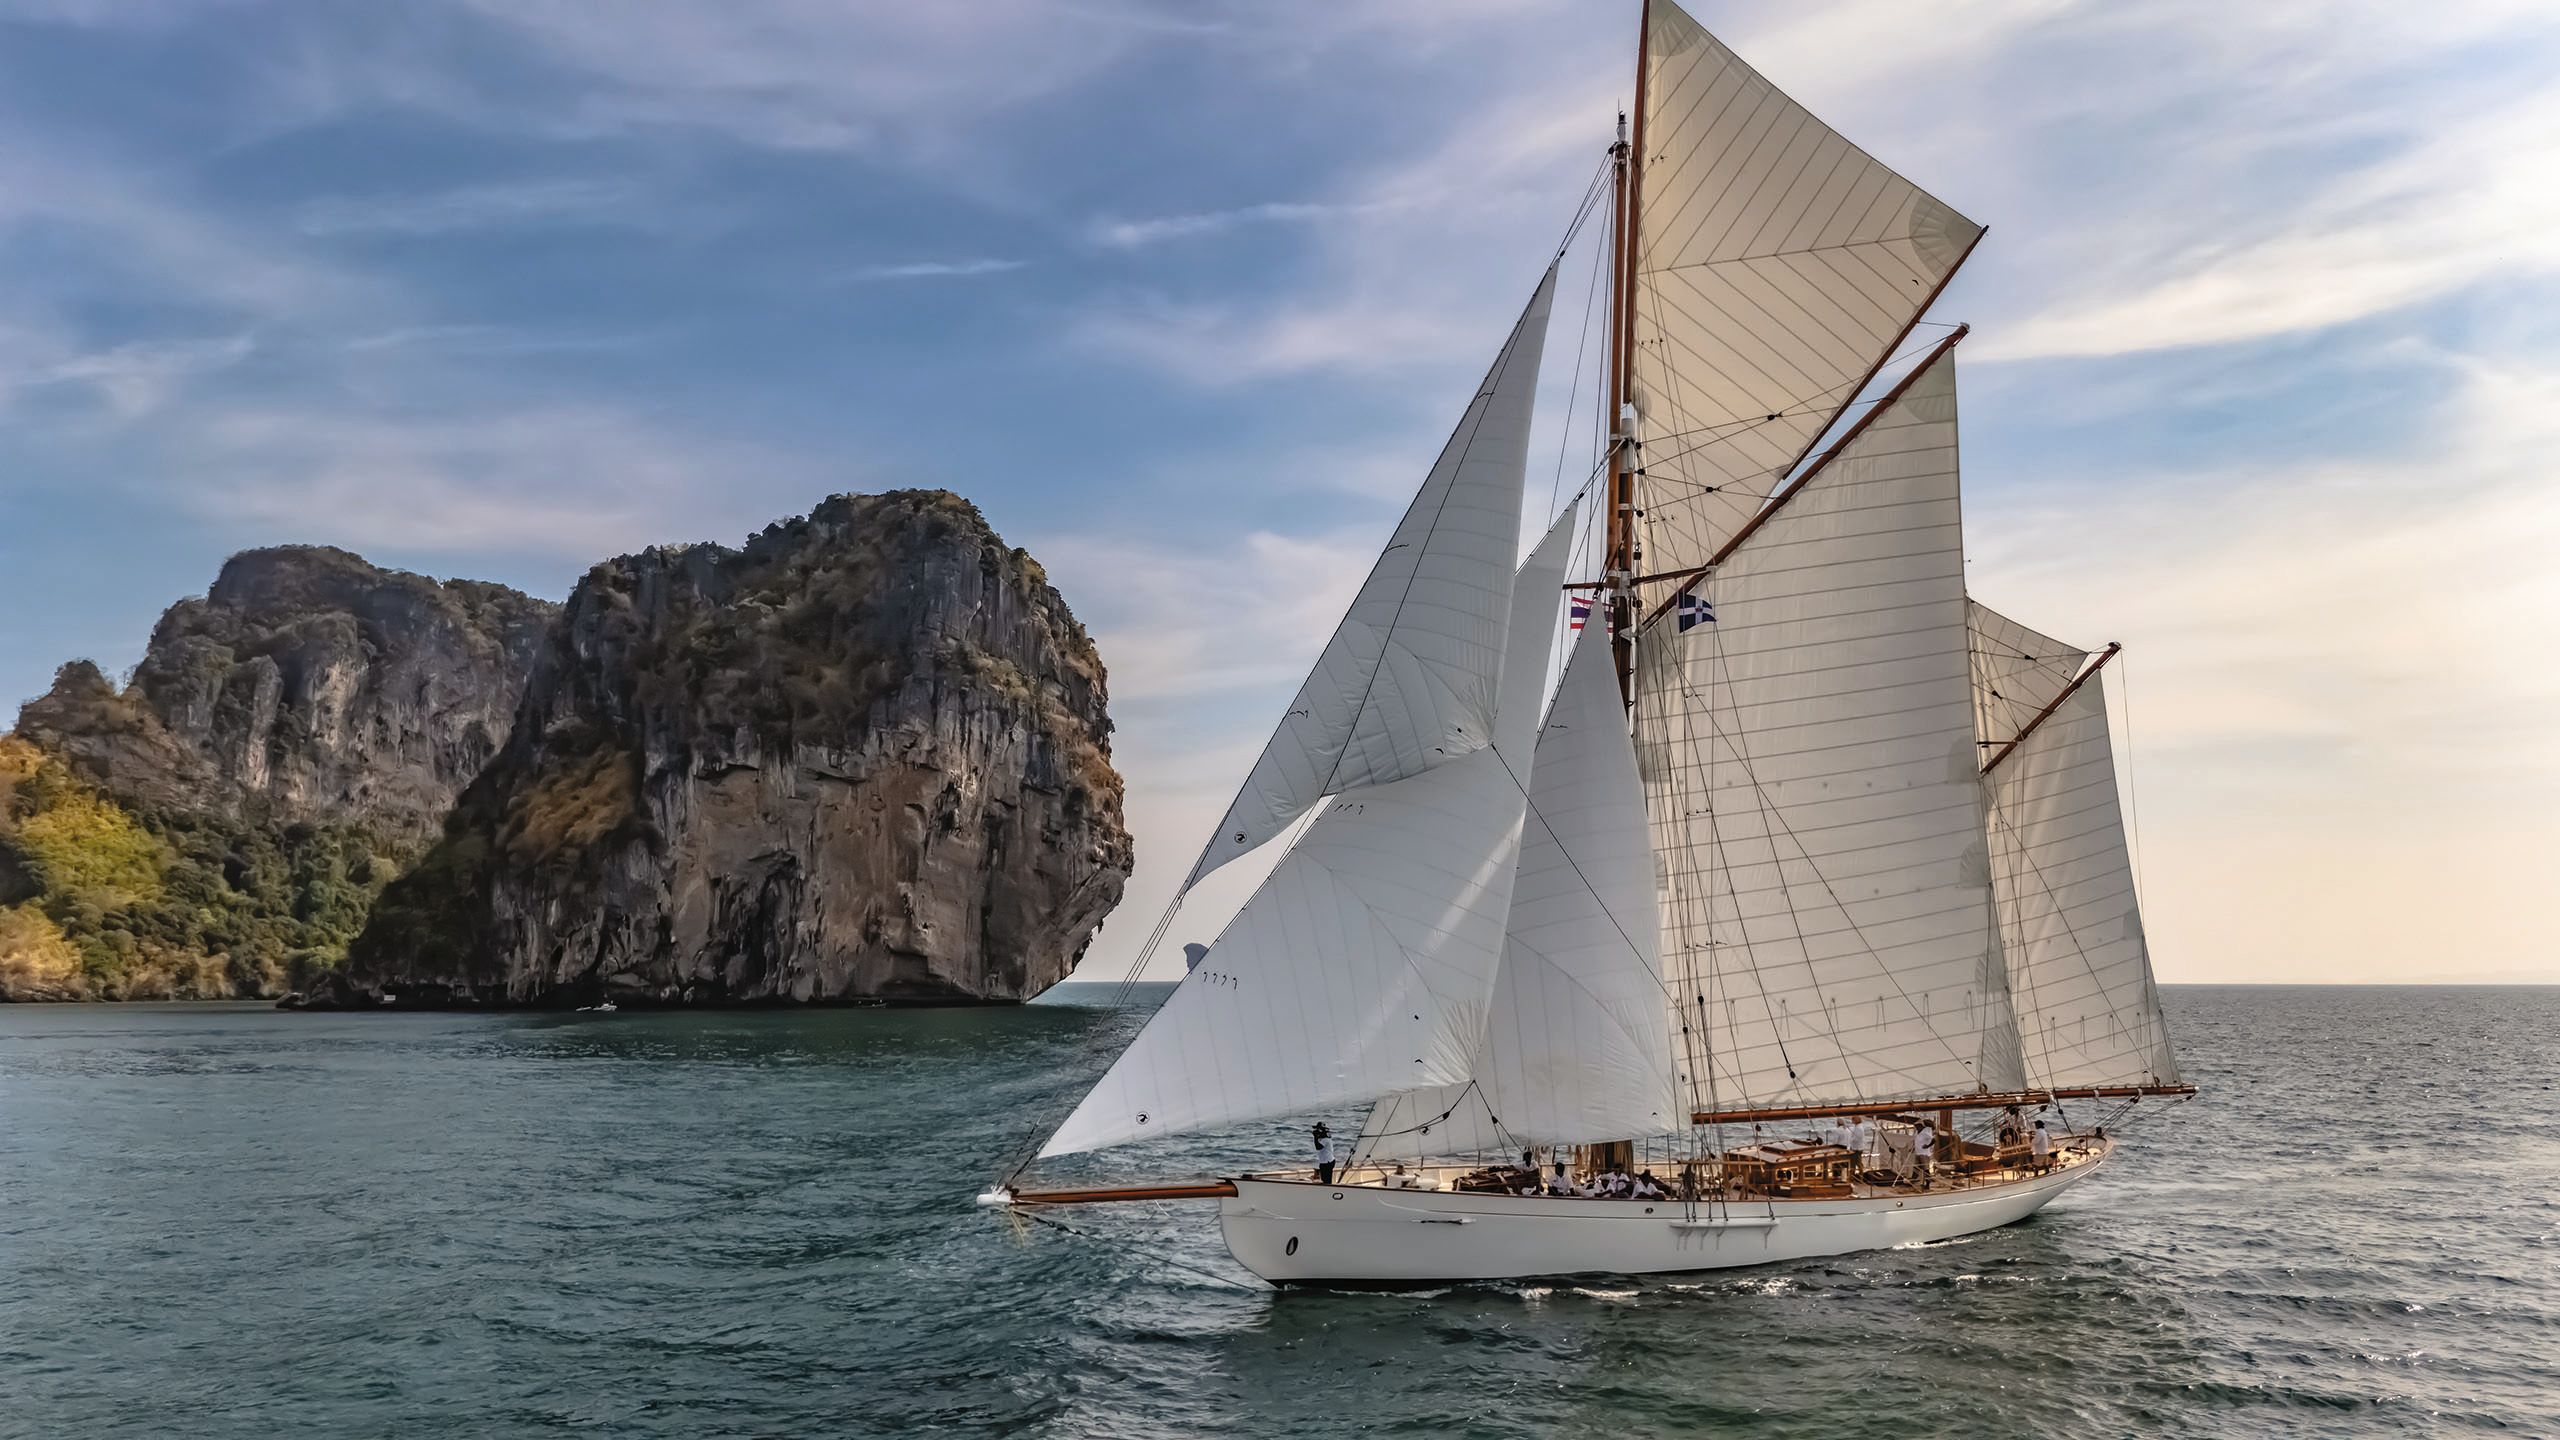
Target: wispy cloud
938, 269
1133, 234
137, 378
571, 482
526, 204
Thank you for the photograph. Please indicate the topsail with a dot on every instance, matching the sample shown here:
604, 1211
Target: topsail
1776, 266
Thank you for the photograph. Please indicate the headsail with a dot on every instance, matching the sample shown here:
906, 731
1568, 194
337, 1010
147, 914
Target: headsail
1776, 266
1576, 1049
1810, 763
1408, 680
1365, 964
2079, 971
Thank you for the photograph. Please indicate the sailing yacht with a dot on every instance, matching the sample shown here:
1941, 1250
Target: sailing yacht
1803, 891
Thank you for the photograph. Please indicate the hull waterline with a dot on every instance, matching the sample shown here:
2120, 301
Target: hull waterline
1293, 1232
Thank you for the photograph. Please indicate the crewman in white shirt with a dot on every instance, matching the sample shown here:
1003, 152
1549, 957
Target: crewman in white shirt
1924, 1149
1323, 1136
1861, 1139
2040, 1146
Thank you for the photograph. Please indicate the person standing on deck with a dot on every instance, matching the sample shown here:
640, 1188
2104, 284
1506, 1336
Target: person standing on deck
2040, 1147
1924, 1151
1324, 1153
1861, 1140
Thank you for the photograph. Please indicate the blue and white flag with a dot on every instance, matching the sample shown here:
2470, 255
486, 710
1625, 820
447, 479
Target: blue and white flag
1695, 609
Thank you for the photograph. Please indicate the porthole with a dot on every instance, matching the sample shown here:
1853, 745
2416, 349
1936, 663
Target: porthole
1292, 1247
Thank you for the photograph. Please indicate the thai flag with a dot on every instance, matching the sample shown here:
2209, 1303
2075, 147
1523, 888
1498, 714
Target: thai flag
1581, 610
1694, 610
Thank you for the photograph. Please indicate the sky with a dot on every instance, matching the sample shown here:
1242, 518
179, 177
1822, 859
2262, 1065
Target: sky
1185, 294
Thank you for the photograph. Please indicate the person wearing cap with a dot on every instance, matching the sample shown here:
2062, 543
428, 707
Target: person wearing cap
2040, 1146
1324, 1153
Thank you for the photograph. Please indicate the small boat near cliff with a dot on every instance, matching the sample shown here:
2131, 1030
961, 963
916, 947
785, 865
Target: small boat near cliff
1806, 835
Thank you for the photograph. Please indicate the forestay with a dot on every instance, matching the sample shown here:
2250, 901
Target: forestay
1408, 679
1813, 785
1576, 1049
2079, 971
1776, 266
1365, 964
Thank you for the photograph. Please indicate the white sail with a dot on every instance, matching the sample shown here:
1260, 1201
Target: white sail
1576, 1049
1813, 782
1409, 679
1365, 964
2079, 971
1776, 264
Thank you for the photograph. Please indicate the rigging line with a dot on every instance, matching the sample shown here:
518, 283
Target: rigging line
2060, 912
1928, 1021
2133, 808
1803, 405
1582, 343
1775, 254
1590, 197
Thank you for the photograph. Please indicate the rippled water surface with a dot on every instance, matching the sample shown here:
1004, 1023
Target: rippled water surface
222, 1221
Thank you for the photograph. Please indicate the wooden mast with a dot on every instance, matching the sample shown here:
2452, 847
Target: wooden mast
1620, 566
2047, 712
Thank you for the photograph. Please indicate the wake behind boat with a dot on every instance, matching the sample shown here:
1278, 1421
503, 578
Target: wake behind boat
1807, 836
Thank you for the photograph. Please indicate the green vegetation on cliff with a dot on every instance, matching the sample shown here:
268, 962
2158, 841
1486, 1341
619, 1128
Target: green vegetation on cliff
98, 901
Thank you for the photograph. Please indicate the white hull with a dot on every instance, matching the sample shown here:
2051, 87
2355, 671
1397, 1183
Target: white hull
1299, 1232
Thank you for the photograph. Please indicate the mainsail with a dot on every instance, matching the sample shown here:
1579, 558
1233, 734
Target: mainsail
1576, 1049
1776, 266
2079, 972
1811, 773
1365, 964
1409, 678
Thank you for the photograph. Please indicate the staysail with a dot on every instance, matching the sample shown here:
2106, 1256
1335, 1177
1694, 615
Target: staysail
1809, 760
2079, 971
1408, 680
1576, 1048
1365, 964
1776, 266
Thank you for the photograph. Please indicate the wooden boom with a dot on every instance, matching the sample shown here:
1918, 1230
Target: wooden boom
1193, 1190
1985, 1100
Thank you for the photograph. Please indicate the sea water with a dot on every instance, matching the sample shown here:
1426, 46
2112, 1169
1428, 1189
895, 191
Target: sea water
225, 1221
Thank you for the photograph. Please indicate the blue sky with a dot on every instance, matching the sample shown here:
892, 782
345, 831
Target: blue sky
2264, 376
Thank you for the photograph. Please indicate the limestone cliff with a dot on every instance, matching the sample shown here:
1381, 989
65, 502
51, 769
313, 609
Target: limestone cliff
221, 824
865, 757
306, 685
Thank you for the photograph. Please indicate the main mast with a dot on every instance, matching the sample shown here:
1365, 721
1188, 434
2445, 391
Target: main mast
1619, 567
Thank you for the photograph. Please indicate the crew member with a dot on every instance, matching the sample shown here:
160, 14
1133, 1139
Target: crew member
1924, 1150
2040, 1146
1324, 1153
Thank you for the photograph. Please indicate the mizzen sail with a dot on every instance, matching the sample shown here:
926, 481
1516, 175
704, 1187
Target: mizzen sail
2079, 970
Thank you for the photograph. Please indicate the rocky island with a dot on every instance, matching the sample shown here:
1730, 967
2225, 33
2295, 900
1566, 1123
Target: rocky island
865, 757
220, 825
